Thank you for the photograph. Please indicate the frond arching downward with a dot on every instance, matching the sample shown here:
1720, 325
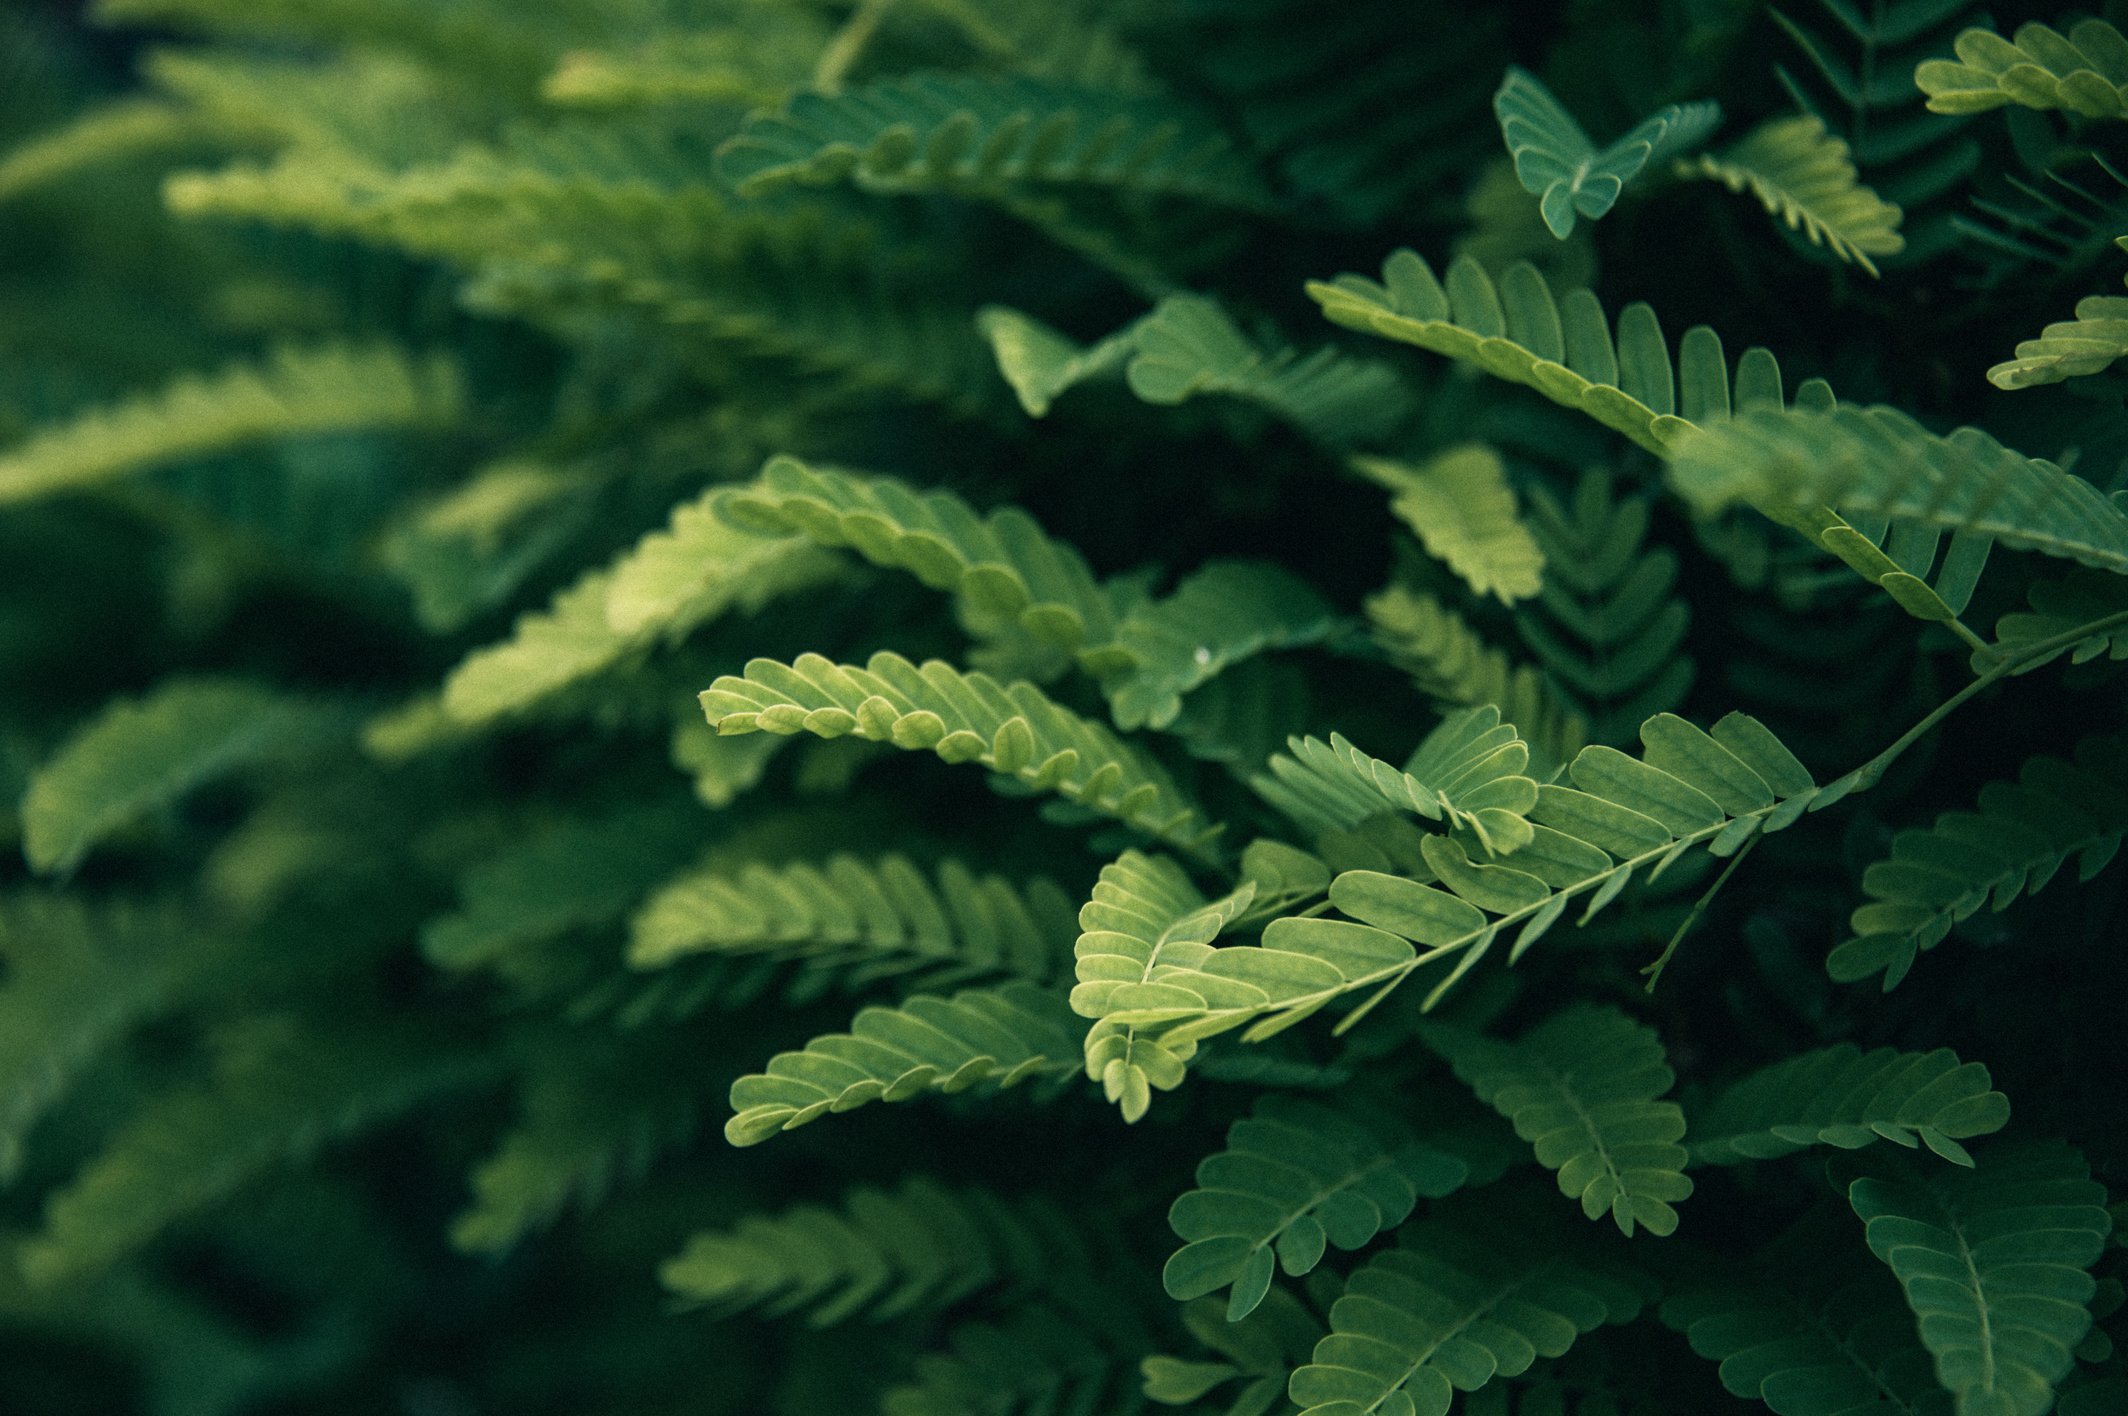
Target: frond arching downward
2022, 833
1294, 1177
873, 919
978, 1037
1583, 1088
1004, 568
1457, 1307
1224, 612
1878, 462
1564, 169
963, 717
2084, 71
1995, 1265
1461, 508
146, 752
2071, 348
988, 137
1806, 177
1145, 920
920, 1247
1854, 1353
1841, 1096
294, 393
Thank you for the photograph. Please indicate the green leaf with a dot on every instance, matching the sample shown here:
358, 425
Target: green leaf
144, 753
1293, 1176
1566, 171
1806, 177
1994, 1261
1582, 1087
2084, 72
993, 1038
1459, 505
2069, 349
1841, 1096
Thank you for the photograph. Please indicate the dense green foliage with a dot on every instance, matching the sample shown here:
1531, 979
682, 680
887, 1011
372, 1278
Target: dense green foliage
963, 707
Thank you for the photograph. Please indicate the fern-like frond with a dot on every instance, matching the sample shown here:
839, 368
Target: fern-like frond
1561, 347
2013, 844
1455, 1308
866, 919
1805, 176
970, 135
1225, 612
143, 753
1877, 462
1012, 729
1621, 815
1041, 1360
978, 1037
1452, 664
2060, 610
294, 393
282, 1087
1841, 1096
1145, 920
1294, 1177
1852, 1353
1470, 772
670, 583
595, 1112
1583, 1088
76, 981
1262, 1348
114, 132
1994, 1261
1003, 567
920, 1247
754, 57
1609, 627
469, 550
1559, 164
2084, 71
2069, 349
1461, 508
582, 874
1188, 346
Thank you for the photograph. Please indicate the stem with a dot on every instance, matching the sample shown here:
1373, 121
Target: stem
1654, 971
848, 45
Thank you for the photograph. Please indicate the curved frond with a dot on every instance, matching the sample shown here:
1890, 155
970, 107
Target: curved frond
1567, 173
1470, 772
1805, 176
113, 132
2060, 609
1261, 1350
1841, 1096
976, 136
1004, 568
1584, 1088
1461, 508
1852, 1353
1455, 1308
869, 919
143, 753
595, 1111
283, 1086
1453, 664
1294, 1177
1879, 462
1042, 1360
1223, 613
293, 393
1562, 347
2013, 844
1012, 729
1609, 627
2069, 349
75, 981
920, 1247
1994, 1261
2083, 72
978, 1037
671, 582
1145, 920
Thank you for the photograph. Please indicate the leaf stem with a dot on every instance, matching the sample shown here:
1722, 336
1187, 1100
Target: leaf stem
848, 45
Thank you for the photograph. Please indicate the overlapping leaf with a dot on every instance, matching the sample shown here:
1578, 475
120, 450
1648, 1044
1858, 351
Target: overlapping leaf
1841, 1096
1570, 176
